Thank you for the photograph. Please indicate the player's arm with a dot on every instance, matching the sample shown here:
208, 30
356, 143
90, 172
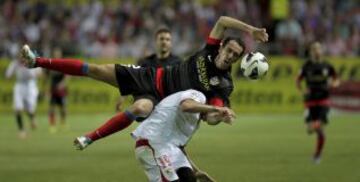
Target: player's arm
214, 114
225, 22
10, 70
192, 106
299, 78
214, 118
334, 81
200, 175
298, 83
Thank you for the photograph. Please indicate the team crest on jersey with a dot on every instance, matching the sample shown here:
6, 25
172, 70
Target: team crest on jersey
214, 81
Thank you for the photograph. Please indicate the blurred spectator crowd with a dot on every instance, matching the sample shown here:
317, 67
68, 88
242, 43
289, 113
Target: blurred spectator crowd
125, 28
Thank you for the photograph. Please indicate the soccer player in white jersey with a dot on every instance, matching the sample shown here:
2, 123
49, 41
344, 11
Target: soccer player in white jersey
25, 93
160, 138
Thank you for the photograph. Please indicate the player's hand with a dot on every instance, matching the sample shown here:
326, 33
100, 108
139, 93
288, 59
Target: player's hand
228, 120
228, 115
334, 83
225, 111
260, 34
202, 176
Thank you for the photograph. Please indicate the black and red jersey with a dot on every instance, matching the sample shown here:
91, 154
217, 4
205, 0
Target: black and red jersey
317, 76
200, 72
154, 61
55, 78
197, 72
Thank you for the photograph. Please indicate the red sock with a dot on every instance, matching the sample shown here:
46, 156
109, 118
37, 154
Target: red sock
320, 143
67, 66
115, 124
52, 119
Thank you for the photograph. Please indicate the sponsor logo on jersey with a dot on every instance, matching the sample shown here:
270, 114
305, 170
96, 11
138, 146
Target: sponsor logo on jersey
202, 72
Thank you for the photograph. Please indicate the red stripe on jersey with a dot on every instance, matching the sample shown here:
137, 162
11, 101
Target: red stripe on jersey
323, 102
213, 41
159, 79
216, 101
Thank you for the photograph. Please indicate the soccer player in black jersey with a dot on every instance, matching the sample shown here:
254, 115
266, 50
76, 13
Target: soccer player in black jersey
57, 93
161, 58
205, 71
319, 77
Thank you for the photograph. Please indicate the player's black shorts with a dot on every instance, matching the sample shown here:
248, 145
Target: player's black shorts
57, 100
137, 81
317, 113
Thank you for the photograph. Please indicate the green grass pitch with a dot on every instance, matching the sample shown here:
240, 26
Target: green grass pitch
269, 148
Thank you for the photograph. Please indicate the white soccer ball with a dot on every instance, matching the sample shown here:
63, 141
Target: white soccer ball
254, 65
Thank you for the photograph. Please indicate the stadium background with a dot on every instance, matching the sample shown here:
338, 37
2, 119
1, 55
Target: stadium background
268, 142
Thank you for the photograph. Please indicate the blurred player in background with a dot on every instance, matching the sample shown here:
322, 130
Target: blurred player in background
162, 137
161, 58
319, 76
25, 94
204, 71
57, 93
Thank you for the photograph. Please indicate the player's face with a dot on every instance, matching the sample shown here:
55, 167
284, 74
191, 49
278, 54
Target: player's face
316, 51
163, 42
228, 55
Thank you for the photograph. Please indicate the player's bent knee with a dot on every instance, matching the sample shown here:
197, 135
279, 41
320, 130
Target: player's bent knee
186, 174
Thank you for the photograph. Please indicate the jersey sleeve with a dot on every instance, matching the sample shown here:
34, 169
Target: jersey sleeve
194, 95
212, 44
10, 69
221, 101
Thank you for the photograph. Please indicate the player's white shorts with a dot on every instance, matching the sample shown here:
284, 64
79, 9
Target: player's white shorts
160, 161
25, 96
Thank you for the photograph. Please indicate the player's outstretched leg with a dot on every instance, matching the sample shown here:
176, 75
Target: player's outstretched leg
114, 124
104, 73
68, 66
141, 108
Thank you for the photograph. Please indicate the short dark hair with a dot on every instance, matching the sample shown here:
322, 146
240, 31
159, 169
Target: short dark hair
237, 40
162, 30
